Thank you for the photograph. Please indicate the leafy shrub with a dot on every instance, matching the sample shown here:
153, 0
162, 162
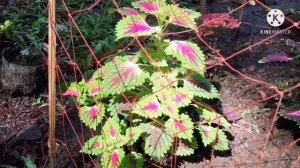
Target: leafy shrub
161, 82
27, 31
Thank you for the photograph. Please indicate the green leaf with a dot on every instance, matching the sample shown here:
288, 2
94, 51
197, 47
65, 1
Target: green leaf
132, 160
112, 159
25, 52
122, 74
132, 26
92, 116
188, 53
157, 143
182, 127
28, 162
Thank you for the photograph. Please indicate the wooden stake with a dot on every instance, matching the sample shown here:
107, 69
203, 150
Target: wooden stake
202, 6
52, 79
240, 16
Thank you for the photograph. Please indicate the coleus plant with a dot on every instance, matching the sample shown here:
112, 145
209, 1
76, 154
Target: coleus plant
217, 20
148, 98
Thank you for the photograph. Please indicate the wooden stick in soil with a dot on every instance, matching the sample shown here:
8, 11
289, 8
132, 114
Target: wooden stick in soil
202, 6
52, 79
240, 16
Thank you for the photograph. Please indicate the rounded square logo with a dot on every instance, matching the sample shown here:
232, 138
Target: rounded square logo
275, 17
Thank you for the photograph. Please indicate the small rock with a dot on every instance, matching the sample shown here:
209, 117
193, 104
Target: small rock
33, 121
262, 70
29, 132
22, 115
251, 68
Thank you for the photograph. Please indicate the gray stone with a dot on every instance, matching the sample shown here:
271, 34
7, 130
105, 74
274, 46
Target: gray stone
29, 132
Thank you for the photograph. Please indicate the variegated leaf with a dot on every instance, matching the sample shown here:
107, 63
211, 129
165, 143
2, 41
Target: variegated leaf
92, 116
148, 107
150, 6
134, 26
129, 11
122, 74
186, 148
112, 159
201, 87
182, 17
182, 127
157, 143
208, 134
188, 53
214, 117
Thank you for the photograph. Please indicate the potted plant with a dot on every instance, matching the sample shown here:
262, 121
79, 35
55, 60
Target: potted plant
21, 61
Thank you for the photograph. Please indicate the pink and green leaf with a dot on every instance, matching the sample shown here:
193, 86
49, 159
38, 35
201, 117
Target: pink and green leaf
133, 134
130, 11
170, 109
92, 116
182, 17
208, 134
148, 107
215, 137
111, 129
94, 87
291, 113
134, 26
95, 146
186, 148
295, 113
118, 108
182, 97
182, 127
122, 74
157, 143
73, 90
150, 6
98, 145
160, 80
112, 159
188, 53
220, 20
279, 57
214, 117
222, 142
201, 89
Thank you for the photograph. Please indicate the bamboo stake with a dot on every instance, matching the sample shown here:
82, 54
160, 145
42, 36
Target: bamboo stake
240, 17
52, 79
202, 6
